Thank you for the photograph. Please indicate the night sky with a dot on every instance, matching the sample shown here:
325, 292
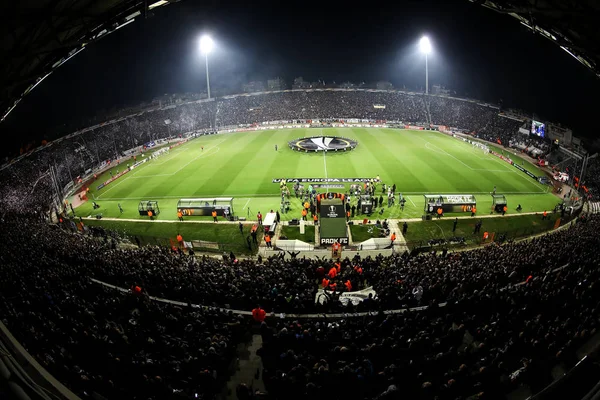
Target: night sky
476, 52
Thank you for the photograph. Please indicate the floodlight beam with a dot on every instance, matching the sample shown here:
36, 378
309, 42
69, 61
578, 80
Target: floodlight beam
207, 78
206, 46
425, 46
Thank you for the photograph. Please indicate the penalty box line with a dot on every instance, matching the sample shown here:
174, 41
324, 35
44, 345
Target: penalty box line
208, 153
134, 176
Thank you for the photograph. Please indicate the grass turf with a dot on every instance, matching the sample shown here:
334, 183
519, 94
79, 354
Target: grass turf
360, 233
243, 165
227, 235
513, 227
293, 233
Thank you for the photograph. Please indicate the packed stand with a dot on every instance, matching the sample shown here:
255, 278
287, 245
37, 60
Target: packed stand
97, 340
485, 339
81, 152
482, 345
292, 284
459, 113
592, 179
303, 105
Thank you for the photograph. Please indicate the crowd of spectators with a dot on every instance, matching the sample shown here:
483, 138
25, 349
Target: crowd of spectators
292, 284
305, 105
98, 340
493, 333
460, 114
79, 153
592, 179
488, 339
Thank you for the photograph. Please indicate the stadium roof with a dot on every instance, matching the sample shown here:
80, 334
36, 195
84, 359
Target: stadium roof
37, 36
571, 24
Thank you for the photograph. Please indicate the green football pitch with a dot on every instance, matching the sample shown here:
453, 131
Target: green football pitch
243, 165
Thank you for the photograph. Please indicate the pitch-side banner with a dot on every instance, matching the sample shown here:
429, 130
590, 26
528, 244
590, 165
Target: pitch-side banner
331, 240
322, 180
120, 174
355, 297
517, 166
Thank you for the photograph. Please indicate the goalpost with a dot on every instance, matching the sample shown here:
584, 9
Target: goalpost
159, 153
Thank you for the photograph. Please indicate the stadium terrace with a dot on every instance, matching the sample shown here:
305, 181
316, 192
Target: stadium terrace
221, 304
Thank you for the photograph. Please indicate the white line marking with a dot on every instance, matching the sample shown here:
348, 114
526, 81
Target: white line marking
413, 203
246, 204
173, 173
471, 168
200, 155
133, 176
519, 173
448, 154
507, 169
112, 187
325, 165
175, 152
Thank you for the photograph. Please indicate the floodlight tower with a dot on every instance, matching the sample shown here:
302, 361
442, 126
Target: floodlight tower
206, 46
425, 45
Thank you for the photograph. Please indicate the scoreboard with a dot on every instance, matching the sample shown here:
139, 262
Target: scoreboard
538, 128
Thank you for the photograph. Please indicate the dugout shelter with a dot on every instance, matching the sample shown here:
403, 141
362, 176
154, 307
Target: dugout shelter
148, 205
449, 202
205, 206
498, 202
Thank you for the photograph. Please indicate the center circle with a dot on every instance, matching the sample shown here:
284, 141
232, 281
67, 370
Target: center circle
322, 143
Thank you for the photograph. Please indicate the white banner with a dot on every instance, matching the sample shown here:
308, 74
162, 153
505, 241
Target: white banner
355, 297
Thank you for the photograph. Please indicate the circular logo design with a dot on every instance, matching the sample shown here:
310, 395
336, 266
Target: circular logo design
323, 143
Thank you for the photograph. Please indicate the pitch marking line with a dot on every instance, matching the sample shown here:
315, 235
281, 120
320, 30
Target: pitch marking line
471, 168
519, 173
179, 149
448, 154
208, 153
324, 161
200, 155
507, 169
134, 176
175, 152
112, 187
412, 202
246, 204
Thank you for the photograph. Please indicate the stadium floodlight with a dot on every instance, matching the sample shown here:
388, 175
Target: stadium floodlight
206, 46
425, 46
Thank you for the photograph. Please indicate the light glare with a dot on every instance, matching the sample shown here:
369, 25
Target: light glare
425, 45
206, 44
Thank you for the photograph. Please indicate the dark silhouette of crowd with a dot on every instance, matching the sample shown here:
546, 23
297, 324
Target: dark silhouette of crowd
325, 104
98, 340
592, 179
507, 317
